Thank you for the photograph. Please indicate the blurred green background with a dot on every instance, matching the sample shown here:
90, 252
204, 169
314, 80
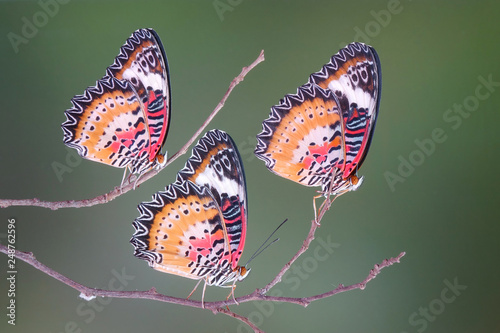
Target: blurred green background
439, 208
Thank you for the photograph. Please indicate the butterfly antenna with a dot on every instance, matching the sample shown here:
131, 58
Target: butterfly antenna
264, 245
259, 252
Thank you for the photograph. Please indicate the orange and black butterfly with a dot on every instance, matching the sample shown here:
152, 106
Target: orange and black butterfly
320, 136
123, 120
196, 228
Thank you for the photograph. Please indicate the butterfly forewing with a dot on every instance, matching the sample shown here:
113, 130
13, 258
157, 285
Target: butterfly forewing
142, 61
354, 76
216, 164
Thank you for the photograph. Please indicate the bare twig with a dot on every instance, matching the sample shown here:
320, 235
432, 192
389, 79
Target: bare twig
215, 307
219, 106
117, 191
247, 321
220, 306
305, 245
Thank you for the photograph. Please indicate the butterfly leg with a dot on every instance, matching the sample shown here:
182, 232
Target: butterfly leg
128, 179
315, 210
136, 180
328, 202
203, 294
354, 183
123, 180
191, 293
233, 287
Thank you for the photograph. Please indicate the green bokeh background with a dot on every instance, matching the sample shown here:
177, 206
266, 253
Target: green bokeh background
443, 214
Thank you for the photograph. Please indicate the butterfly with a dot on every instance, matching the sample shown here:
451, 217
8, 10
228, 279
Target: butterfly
320, 136
123, 120
196, 228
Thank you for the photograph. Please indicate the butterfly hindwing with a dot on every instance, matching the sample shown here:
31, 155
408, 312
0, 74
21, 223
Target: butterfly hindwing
106, 124
216, 164
181, 232
302, 138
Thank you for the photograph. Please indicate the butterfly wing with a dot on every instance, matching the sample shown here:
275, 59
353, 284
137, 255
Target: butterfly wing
354, 76
181, 232
104, 129
302, 138
216, 164
106, 125
142, 62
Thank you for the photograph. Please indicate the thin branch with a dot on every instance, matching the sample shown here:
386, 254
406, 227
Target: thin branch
219, 306
219, 106
117, 191
215, 307
245, 320
361, 285
305, 245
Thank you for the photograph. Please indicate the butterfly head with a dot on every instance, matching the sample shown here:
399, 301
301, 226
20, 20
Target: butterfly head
242, 272
355, 182
161, 160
